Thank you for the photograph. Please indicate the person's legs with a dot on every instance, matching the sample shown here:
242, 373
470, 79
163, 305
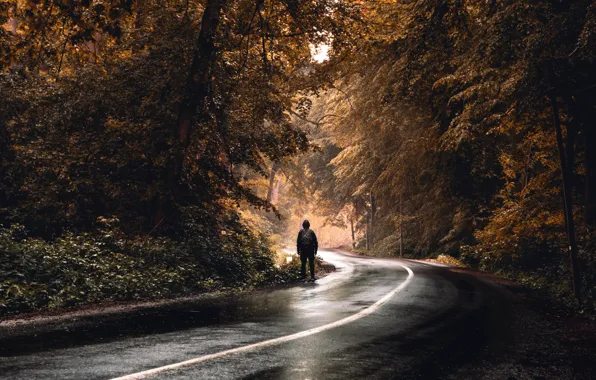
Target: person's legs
303, 265
311, 262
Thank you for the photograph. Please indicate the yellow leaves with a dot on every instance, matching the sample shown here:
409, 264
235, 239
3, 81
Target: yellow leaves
446, 83
112, 123
508, 164
483, 90
450, 260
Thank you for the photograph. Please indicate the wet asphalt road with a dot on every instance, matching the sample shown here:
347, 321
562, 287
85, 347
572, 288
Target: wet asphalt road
440, 321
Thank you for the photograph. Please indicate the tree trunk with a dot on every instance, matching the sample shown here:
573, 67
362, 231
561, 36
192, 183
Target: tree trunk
196, 92
590, 189
138, 21
138, 11
566, 161
274, 169
367, 237
6, 155
198, 80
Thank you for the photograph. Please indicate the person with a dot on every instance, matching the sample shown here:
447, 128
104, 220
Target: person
307, 246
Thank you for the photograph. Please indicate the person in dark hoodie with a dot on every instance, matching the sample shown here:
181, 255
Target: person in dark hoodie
307, 246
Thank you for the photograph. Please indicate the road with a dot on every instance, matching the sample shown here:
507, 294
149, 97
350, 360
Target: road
371, 319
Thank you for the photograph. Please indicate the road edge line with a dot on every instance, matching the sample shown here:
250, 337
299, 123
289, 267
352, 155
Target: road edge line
271, 342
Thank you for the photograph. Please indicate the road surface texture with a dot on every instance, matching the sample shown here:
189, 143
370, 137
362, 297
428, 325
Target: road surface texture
371, 319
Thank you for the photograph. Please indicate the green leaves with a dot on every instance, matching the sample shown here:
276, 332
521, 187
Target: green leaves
81, 269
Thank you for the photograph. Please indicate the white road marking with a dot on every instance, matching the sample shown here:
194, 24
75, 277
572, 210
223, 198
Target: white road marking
271, 342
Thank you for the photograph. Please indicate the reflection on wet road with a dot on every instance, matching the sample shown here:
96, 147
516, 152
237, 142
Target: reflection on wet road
427, 321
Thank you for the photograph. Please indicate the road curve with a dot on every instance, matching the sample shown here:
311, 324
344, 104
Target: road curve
372, 318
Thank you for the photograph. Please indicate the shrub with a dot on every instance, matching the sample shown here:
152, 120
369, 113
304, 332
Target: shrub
78, 269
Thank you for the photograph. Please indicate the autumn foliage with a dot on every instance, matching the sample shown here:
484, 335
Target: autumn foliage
155, 115
439, 135
435, 127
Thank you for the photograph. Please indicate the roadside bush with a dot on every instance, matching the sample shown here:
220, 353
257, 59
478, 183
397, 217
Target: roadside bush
109, 266
531, 249
289, 271
387, 247
450, 260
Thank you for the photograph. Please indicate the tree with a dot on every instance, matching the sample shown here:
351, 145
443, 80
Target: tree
449, 111
189, 128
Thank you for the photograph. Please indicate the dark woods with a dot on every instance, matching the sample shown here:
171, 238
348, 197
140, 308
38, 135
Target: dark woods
129, 131
132, 133
467, 128
140, 109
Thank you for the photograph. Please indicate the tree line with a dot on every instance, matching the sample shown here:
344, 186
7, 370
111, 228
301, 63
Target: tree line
466, 128
140, 132
130, 132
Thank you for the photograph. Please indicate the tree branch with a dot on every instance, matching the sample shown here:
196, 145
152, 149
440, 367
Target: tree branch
317, 123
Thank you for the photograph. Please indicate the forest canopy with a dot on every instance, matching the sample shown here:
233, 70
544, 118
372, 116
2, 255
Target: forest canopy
177, 137
466, 128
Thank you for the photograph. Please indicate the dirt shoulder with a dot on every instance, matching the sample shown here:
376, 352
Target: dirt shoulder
550, 339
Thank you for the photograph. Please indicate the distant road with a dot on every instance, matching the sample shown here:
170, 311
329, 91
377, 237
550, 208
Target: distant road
371, 319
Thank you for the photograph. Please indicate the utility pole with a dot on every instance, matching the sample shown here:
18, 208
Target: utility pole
372, 220
352, 229
401, 235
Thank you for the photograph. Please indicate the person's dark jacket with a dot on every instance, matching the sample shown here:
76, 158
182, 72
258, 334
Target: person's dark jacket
303, 248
